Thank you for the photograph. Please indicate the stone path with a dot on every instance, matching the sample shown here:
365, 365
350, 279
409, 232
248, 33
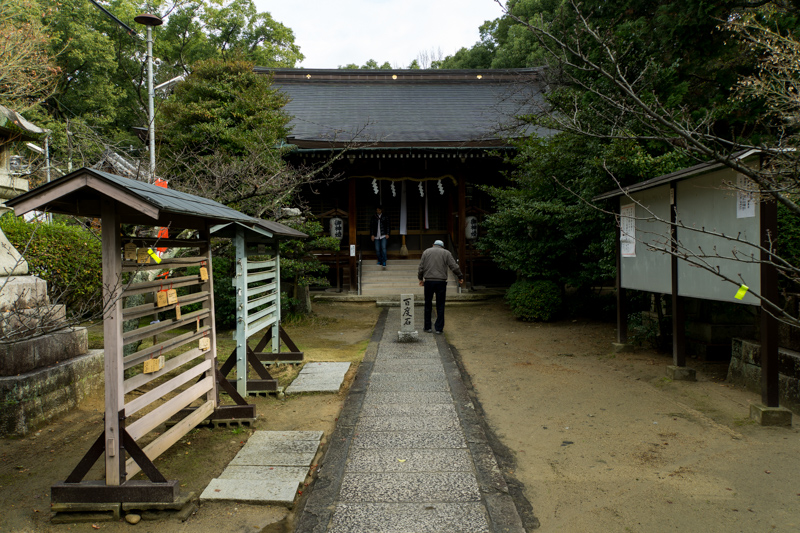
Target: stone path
408, 454
319, 377
268, 469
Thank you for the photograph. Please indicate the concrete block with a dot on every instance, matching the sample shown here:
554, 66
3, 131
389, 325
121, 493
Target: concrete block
771, 416
681, 373
38, 352
410, 487
250, 491
403, 517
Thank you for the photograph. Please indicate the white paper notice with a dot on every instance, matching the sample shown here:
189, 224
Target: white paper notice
746, 197
627, 230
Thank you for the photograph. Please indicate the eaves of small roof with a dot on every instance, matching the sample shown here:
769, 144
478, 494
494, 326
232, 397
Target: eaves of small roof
684, 173
79, 192
409, 108
14, 124
258, 231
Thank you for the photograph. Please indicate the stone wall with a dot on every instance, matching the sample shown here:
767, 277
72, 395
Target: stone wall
745, 369
31, 399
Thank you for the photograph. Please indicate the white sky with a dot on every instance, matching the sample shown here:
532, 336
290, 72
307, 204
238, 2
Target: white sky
333, 33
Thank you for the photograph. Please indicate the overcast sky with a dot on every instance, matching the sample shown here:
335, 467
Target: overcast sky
331, 33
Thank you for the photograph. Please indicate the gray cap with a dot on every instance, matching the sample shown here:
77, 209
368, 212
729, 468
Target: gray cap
438, 243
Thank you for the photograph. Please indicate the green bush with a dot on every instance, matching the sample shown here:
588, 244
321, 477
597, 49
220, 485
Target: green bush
68, 257
534, 300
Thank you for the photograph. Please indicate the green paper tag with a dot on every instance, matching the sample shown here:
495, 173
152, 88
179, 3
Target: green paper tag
741, 292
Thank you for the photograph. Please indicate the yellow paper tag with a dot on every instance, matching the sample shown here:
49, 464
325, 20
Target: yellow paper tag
153, 365
172, 296
204, 273
154, 255
205, 343
130, 252
178, 312
161, 299
142, 257
741, 292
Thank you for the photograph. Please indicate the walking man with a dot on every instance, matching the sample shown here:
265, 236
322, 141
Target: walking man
432, 275
379, 230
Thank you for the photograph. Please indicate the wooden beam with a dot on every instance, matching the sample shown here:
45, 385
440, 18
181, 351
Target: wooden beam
462, 218
210, 321
678, 303
768, 213
112, 337
161, 414
125, 198
39, 202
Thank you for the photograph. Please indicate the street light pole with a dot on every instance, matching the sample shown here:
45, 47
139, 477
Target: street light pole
150, 21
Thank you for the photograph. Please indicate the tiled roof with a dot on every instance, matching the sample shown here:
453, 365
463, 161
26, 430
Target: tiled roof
408, 107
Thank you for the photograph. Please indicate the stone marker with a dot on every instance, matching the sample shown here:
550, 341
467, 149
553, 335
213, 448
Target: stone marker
407, 332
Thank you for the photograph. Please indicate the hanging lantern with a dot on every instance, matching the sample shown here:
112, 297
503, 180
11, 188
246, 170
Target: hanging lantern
421, 191
337, 228
375, 186
394, 193
441, 187
471, 228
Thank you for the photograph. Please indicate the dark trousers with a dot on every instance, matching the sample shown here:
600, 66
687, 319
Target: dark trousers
439, 288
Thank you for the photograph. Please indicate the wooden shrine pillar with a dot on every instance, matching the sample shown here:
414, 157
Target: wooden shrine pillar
462, 220
112, 340
352, 236
769, 292
678, 303
622, 303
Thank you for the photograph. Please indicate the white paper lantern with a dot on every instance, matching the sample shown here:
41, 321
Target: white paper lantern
471, 228
337, 228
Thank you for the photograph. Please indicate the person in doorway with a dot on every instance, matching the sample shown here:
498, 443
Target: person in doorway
432, 275
379, 230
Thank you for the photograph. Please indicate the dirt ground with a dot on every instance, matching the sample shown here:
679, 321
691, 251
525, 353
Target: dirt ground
592, 440
605, 442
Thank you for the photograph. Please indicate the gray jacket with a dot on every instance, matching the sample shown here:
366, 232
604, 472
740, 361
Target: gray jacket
434, 264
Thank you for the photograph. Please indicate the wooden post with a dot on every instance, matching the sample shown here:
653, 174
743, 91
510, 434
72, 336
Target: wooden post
276, 327
351, 219
112, 339
205, 249
462, 217
241, 311
769, 291
678, 304
622, 304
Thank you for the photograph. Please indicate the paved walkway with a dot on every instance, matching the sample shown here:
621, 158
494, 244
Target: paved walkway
408, 454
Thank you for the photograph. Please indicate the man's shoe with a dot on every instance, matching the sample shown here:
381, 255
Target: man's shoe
438, 332
427, 330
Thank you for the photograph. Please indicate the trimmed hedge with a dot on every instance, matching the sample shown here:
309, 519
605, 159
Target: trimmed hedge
68, 257
534, 300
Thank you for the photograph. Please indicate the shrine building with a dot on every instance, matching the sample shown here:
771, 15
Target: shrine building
420, 143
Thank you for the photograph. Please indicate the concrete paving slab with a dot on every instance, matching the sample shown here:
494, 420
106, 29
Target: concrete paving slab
409, 355
410, 487
266, 447
409, 439
405, 409
264, 437
314, 367
249, 491
319, 377
399, 365
408, 423
260, 458
416, 398
409, 386
409, 460
429, 374
268, 474
410, 517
